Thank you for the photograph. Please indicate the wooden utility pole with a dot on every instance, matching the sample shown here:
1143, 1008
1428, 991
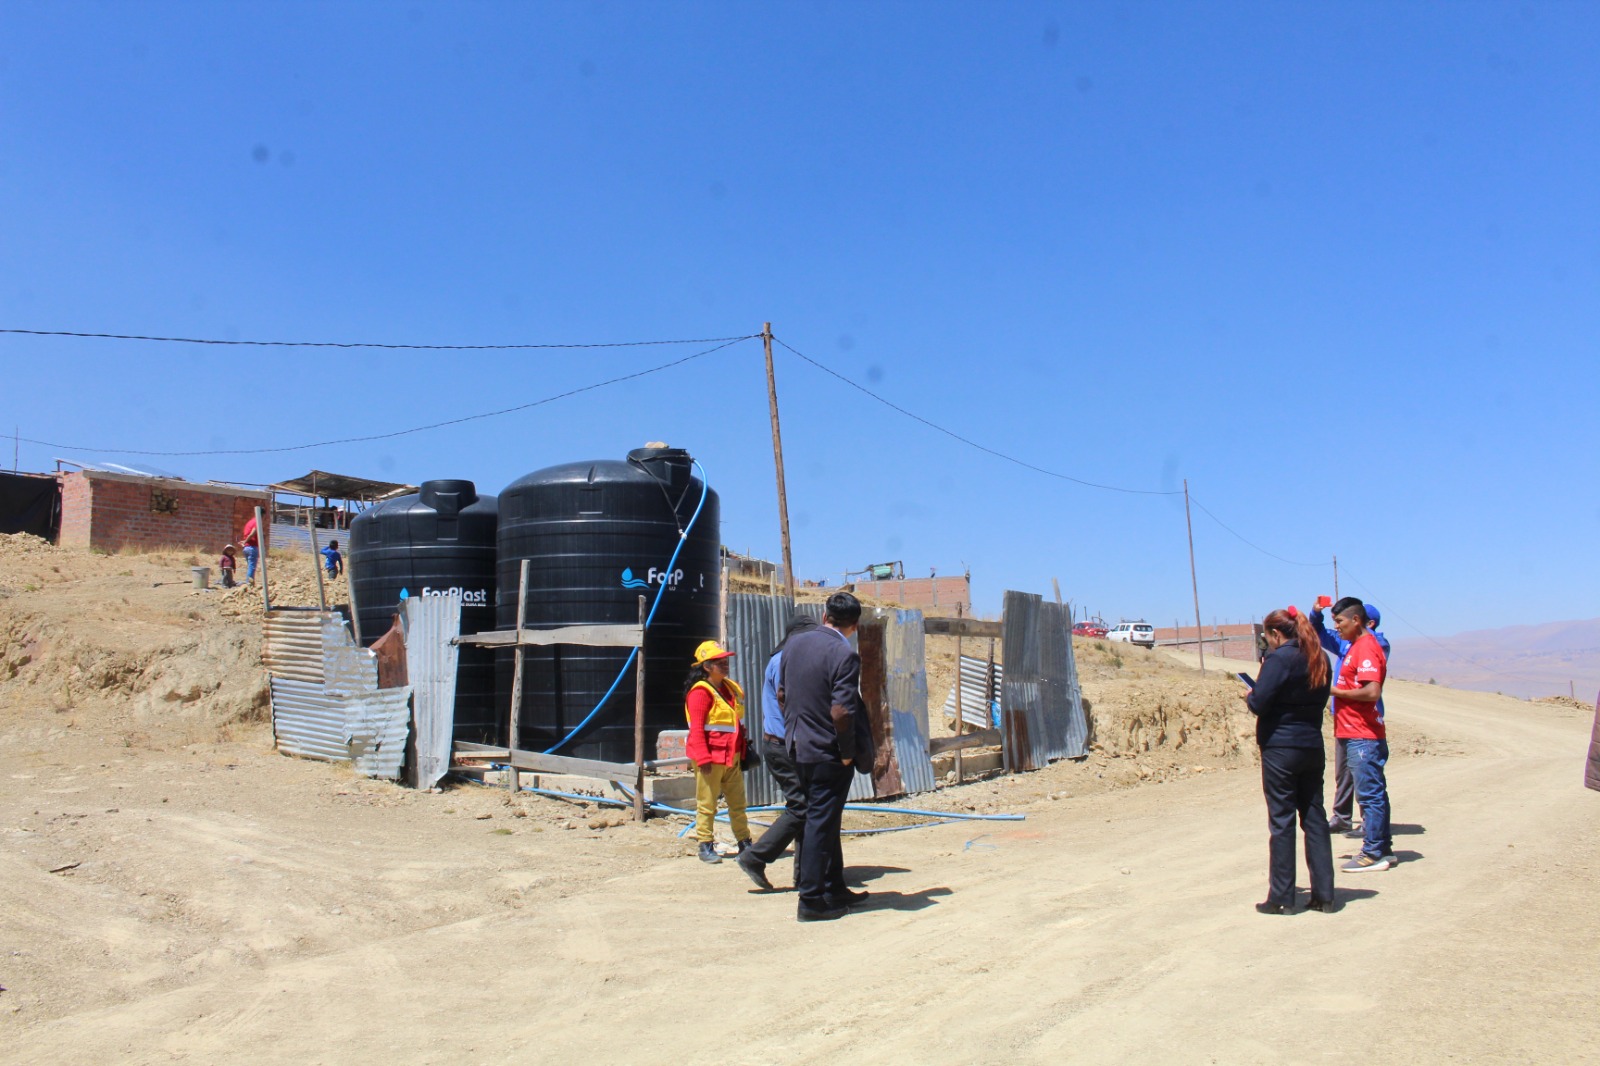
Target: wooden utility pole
638, 723
961, 722
1335, 579
1194, 582
261, 559
311, 525
777, 460
513, 778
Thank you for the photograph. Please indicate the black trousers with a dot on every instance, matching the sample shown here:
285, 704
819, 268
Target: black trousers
1292, 781
787, 827
820, 864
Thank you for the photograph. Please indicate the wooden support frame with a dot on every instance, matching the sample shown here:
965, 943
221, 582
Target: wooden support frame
962, 627
517, 759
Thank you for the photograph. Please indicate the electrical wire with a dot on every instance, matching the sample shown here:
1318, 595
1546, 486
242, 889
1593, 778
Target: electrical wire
415, 429
969, 442
361, 344
1236, 533
1389, 612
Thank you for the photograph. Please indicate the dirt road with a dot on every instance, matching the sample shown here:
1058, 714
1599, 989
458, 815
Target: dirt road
1109, 927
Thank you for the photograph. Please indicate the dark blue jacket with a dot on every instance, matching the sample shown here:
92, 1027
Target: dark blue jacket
820, 686
1288, 709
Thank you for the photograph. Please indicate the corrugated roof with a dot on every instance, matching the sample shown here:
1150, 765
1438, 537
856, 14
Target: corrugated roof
342, 487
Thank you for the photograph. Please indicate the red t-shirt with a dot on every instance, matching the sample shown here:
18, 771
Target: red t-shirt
249, 537
1364, 662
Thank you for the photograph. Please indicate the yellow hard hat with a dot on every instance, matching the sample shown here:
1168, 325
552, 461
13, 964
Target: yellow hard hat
709, 650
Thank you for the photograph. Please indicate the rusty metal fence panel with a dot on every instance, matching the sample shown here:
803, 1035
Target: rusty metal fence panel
906, 688
1041, 709
432, 625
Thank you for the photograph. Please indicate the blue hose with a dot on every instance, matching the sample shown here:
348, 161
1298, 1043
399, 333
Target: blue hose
683, 538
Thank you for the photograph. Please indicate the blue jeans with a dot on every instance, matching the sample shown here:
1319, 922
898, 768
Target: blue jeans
250, 562
1366, 759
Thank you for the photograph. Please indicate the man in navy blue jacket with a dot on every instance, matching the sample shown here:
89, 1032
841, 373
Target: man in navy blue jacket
1344, 786
829, 738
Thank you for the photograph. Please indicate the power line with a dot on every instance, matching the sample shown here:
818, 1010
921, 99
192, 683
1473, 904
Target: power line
1442, 647
414, 429
360, 344
1236, 533
972, 443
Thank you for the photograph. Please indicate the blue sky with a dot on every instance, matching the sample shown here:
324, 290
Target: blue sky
1337, 265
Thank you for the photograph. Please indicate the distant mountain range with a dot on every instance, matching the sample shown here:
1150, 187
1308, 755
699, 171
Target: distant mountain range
1553, 659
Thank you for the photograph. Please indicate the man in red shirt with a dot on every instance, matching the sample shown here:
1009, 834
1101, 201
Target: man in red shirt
1358, 721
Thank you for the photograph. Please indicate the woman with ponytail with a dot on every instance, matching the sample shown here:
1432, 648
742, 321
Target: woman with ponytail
1288, 701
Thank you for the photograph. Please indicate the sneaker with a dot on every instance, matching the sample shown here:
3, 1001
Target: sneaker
708, 852
1365, 863
754, 869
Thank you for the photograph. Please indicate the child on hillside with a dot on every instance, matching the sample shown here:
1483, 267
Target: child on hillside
226, 565
332, 561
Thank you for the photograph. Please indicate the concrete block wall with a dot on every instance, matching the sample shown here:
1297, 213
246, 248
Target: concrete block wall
108, 512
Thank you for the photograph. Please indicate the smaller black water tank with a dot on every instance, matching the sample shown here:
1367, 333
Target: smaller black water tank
443, 538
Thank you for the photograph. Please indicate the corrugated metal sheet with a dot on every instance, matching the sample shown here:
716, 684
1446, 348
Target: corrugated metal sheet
975, 693
346, 667
1038, 712
906, 689
755, 624
326, 703
432, 623
367, 729
291, 645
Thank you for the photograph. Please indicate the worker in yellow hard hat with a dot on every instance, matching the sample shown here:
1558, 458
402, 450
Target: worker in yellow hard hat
714, 704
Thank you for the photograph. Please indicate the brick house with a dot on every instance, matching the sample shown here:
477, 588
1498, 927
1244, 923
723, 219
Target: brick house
106, 511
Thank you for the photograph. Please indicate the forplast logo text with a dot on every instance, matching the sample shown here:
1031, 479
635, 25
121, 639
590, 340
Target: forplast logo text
653, 577
469, 597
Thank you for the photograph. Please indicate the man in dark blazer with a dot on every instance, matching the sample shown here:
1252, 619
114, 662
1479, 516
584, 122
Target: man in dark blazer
829, 737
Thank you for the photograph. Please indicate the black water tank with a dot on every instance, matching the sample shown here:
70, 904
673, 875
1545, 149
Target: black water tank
596, 535
440, 539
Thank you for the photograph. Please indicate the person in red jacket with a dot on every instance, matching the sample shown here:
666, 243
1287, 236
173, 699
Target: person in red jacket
714, 705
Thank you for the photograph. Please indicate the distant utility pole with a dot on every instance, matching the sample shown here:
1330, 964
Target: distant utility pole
1335, 579
1194, 582
777, 461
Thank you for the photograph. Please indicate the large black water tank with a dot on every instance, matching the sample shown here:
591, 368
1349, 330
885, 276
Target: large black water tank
597, 535
440, 539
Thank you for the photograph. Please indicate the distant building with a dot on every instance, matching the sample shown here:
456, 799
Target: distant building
109, 511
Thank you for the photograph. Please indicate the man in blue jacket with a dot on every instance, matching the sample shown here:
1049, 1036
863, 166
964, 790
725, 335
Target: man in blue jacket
827, 734
1344, 788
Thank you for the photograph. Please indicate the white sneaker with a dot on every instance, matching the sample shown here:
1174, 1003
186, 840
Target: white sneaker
1365, 863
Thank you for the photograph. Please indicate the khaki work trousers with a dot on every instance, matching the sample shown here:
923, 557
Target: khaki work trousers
716, 781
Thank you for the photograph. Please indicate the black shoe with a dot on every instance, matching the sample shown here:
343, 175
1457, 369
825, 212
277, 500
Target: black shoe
1339, 825
1325, 905
1272, 908
708, 852
744, 846
754, 869
849, 899
811, 914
